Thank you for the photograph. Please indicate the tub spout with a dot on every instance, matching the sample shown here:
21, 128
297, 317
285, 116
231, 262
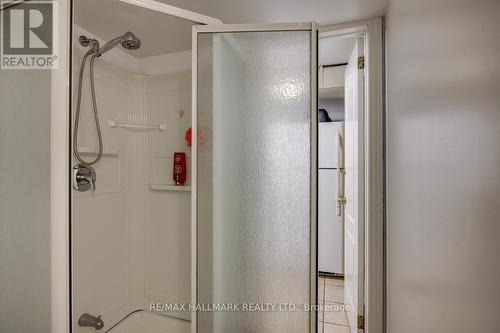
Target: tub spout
91, 321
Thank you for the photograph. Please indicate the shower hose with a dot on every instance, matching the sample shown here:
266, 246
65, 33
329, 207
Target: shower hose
93, 54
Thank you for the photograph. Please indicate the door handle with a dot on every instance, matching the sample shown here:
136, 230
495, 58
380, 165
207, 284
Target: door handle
340, 195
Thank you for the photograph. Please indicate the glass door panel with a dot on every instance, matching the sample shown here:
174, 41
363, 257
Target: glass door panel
254, 171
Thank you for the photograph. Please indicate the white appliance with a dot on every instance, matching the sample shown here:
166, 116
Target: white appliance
330, 226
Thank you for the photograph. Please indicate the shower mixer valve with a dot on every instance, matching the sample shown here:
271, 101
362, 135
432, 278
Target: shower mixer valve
84, 178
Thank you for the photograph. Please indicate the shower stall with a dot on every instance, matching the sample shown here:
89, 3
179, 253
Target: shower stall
130, 228
131, 250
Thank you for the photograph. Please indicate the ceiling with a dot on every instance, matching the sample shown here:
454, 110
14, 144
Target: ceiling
161, 33
335, 50
255, 11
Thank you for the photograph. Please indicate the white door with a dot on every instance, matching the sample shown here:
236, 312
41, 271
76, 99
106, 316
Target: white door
354, 190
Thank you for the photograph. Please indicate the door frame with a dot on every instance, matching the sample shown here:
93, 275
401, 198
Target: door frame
374, 165
61, 154
313, 28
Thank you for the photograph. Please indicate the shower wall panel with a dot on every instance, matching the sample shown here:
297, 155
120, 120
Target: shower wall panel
131, 244
167, 224
104, 245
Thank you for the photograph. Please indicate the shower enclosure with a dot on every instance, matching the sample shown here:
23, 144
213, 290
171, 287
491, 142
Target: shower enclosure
130, 228
124, 239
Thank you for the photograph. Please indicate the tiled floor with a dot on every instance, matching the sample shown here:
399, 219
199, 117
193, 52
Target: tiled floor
331, 292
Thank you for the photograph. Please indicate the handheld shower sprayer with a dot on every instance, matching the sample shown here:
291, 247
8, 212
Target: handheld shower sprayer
128, 41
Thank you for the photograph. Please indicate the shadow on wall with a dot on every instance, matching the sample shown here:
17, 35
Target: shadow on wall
334, 107
443, 158
25, 201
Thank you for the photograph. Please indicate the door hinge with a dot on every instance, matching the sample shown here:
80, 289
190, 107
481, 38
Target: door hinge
361, 322
341, 200
361, 62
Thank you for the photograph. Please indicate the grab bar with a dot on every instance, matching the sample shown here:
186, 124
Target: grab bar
160, 127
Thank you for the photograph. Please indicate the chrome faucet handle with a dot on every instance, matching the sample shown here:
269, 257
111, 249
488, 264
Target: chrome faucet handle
84, 178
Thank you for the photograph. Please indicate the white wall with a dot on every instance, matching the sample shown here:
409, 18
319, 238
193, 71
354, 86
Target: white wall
104, 225
443, 166
25, 201
166, 244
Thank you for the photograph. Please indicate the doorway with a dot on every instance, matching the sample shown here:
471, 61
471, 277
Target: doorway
350, 226
333, 252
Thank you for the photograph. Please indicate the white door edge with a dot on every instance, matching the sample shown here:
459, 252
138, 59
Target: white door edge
59, 178
194, 172
257, 27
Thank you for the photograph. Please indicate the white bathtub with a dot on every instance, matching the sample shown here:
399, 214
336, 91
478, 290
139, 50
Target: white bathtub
149, 322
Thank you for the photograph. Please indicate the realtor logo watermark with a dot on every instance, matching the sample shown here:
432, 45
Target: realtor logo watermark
29, 35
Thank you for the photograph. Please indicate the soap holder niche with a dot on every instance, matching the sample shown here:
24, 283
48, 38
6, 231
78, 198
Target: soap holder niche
161, 173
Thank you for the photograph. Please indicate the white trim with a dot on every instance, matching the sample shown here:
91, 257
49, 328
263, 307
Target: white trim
59, 179
314, 178
348, 28
174, 11
374, 186
194, 179
254, 27
374, 165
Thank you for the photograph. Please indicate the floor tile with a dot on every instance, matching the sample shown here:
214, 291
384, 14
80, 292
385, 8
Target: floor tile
334, 294
321, 316
334, 281
321, 280
321, 292
332, 328
333, 315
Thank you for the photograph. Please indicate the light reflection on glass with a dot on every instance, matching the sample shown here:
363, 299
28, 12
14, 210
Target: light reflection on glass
288, 90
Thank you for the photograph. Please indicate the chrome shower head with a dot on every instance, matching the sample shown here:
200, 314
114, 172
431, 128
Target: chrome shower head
128, 41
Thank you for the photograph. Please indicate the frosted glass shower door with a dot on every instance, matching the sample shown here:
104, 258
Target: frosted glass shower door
255, 193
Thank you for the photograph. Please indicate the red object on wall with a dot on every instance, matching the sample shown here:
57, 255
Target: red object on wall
188, 137
179, 168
